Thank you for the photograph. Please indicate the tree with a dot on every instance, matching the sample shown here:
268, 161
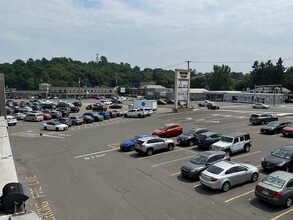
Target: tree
220, 78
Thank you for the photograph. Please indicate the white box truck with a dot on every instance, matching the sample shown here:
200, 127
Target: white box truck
145, 104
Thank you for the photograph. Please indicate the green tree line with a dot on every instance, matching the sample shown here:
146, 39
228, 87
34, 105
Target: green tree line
67, 72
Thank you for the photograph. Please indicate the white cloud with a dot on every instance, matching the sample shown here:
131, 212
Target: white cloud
148, 33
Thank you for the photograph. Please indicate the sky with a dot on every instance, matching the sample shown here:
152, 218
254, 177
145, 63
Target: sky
149, 33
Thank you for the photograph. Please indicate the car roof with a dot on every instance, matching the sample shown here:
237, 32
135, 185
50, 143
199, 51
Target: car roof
208, 133
282, 174
170, 124
226, 164
212, 152
198, 129
149, 138
237, 134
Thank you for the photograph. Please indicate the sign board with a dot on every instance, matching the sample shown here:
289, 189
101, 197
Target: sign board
122, 89
182, 87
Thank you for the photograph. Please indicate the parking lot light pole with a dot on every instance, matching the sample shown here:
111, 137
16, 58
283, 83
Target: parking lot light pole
79, 89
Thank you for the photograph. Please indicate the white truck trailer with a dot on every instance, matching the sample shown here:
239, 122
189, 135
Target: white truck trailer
145, 104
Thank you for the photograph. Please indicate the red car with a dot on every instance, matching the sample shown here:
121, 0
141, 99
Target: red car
288, 131
115, 106
169, 130
47, 116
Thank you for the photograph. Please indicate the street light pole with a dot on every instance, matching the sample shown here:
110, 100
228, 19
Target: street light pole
79, 89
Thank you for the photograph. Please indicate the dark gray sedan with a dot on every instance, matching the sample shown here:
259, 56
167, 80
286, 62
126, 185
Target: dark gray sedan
200, 162
276, 188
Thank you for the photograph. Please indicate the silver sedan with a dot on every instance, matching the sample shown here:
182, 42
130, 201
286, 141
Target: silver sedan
224, 174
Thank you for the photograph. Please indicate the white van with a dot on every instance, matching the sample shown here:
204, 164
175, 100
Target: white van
34, 117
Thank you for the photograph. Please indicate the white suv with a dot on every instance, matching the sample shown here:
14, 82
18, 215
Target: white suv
234, 142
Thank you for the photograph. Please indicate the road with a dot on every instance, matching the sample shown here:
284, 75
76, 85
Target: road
81, 173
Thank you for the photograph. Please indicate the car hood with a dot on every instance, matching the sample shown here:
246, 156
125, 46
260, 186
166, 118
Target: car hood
222, 144
268, 127
127, 143
288, 129
274, 160
191, 166
157, 131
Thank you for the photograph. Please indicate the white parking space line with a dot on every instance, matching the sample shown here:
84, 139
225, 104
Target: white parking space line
197, 185
171, 161
98, 152
53, 136
175, 174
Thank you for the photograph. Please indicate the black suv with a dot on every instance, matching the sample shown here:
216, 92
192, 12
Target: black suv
189, 137
262, 118
280, 159
206, 139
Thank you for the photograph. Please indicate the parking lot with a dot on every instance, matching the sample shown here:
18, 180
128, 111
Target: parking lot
82, 174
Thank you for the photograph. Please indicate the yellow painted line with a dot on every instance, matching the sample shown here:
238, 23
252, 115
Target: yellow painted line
284, 213
246, 154
197, 185
170, 161
236, 197
175, 174
143, 158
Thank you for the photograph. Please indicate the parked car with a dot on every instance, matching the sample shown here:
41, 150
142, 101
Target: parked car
79, 104
115, 106
213, 106
34, 117
11, 120
106, 115
170, 101
65, 120
47, 116
206, 139
76, 120
274, 127
233, 142
134, 113
106, 102
260, 118
224, 174
276, 189
168, 130
54, 126
99, 107
148, 145
89, 107
288, 100
288, 130
161, 102
88, 119
260, 106
96, 116
19, 116
200, 162
129, 144
119, 112
279, 159
189, 136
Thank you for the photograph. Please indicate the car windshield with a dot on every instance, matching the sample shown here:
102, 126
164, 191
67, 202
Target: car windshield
188, 132
215, 170
273, 124
227, 139
134, 139
282, 153
274, 181
163, 128
199, 159
58, 123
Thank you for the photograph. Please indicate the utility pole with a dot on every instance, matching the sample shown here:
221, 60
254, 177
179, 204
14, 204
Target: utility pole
79, 89
2, 96
188, 61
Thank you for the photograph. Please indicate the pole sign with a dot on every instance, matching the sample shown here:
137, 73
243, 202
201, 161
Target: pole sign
122, 89
182, 88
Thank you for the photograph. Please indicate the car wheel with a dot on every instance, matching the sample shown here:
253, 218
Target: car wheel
288, 202
190, 143
125, 115
150, 152
57, 129
45, 128
139, 115
254, 177
246, 148
226, 186
132, 147
170, 147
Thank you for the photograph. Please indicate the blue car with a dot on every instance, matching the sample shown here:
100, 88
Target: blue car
128, 145
106, 115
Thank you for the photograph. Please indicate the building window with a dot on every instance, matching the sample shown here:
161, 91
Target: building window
64, 90
60, 90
